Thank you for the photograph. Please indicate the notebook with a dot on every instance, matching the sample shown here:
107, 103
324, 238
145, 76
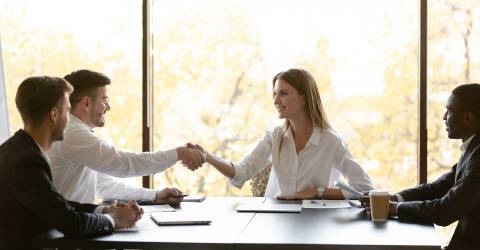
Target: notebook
270, 208
165, 219
158, 208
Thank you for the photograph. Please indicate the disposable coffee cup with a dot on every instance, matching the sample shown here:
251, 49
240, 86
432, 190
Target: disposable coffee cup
379, 203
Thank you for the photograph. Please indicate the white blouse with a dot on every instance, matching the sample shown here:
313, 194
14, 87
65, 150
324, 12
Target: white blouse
320, 163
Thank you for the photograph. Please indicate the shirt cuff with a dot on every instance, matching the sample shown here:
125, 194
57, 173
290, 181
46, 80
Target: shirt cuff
171, 155
149, 195
396, 208
399, 198
237, 180
99, 210
110, 218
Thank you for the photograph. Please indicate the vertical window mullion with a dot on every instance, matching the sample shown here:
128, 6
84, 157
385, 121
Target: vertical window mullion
422, 91
147, 85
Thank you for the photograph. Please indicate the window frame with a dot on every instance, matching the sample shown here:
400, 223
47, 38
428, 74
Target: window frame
148, 100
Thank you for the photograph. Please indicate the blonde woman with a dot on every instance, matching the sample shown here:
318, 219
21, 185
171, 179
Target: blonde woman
306, 154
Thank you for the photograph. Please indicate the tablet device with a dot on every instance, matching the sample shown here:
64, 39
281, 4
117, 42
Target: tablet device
194, 198
150, 203
168, 219
270, 208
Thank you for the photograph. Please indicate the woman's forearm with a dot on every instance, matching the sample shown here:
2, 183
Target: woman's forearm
221, 165
333, 194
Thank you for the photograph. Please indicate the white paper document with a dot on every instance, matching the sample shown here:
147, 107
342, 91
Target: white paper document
325, 204
269, 208
349, 189
134, 228
158, 208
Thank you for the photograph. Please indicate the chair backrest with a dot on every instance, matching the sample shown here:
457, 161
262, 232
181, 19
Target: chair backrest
260, 180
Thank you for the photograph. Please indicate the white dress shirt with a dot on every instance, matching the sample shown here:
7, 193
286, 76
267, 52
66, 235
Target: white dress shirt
83, 165
98, 209
320, 163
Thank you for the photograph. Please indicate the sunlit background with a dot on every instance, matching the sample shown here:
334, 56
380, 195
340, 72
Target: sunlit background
214, 61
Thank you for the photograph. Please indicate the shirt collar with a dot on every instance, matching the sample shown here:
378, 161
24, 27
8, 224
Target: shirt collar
314, 137
45, 156
464, 145
289, 133
76, 121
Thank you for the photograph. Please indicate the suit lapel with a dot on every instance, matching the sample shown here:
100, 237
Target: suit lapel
466, 157
28, 140
460, 164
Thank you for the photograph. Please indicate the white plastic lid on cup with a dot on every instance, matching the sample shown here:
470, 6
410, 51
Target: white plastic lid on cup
378, 193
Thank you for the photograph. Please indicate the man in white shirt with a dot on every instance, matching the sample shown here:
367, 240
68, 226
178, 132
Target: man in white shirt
83, 165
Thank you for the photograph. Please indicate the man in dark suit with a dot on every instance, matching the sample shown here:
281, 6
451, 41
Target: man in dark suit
29, 204
456, 194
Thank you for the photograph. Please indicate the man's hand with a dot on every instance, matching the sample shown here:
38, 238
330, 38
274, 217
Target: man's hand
196, 146
303, 195
110, 208
392, 206
366, 199
192, 158
169, 196
125, 215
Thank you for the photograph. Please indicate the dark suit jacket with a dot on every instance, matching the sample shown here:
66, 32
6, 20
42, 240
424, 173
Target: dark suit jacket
30, 205
453, 196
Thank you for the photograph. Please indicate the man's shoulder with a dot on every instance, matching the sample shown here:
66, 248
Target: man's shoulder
473, 152
17, 157
474, 146
18, 147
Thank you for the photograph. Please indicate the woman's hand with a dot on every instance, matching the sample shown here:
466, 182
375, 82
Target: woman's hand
312, 193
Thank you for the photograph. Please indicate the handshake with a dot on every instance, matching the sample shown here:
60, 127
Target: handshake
192, 156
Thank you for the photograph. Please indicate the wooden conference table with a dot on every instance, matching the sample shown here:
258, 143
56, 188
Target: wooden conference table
345, 228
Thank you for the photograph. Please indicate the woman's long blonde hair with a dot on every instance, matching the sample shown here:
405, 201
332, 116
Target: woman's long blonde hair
305, 85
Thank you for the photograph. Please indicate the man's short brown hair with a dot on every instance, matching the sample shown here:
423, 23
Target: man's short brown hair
85, 82
36, 96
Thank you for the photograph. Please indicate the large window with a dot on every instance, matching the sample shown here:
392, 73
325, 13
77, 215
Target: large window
453, 49
55, 37
214, 61
453, 32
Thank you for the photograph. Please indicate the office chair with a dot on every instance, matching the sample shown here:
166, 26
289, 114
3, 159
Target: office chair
260, 180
